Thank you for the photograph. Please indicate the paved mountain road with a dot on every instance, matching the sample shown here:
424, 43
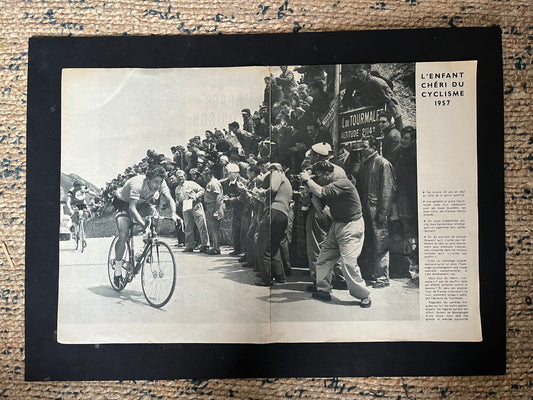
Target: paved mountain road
213, 295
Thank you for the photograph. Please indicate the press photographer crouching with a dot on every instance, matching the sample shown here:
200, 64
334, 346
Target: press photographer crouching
318, 221
345, 237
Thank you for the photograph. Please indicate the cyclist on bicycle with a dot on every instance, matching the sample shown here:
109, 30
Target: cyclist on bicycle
133, 203
77, 201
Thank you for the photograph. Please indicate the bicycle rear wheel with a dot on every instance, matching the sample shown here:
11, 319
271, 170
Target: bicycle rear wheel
77, 235
111, 265
82, 237
158, 274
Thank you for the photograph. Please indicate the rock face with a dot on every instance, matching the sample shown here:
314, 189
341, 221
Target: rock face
402, 75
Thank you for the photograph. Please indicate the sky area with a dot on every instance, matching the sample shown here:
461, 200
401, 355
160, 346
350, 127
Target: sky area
111, 117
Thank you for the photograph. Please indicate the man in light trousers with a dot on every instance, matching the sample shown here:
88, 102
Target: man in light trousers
346, 235
190, 195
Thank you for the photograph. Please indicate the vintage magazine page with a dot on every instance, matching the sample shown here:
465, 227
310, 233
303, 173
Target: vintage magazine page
303, 203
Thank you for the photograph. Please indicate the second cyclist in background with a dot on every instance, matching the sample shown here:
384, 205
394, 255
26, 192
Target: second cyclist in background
77, 203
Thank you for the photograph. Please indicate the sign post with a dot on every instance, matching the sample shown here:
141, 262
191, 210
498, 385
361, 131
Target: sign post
358, 124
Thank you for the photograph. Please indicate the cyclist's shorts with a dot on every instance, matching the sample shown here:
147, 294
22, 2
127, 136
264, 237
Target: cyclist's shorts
81, 206
122, 208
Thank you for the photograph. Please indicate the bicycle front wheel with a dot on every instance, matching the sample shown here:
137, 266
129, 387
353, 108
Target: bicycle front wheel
158, 274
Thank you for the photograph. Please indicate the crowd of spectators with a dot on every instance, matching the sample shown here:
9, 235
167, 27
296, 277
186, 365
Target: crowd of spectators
231, 172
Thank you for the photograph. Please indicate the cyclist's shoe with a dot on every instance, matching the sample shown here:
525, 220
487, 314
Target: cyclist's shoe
118, 281
128, 267
365, 303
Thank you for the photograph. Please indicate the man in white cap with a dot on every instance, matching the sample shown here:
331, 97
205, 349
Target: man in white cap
232, 198
321, 149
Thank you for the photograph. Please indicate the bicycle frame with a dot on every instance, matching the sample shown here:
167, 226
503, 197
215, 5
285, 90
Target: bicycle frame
156, 285
152, 237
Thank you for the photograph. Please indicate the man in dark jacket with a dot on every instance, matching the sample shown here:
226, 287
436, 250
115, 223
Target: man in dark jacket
376, 185
277, 191
286, 82
248, 140
367, 89
321, 100
391, 137
272, 92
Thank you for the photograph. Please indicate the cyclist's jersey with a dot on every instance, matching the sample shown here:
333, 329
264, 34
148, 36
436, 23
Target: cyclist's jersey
137, 188
78, 197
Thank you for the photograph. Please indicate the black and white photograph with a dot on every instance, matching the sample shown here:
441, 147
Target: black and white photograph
262, 204
221, 200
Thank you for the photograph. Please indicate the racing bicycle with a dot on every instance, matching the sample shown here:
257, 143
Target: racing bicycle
156, 265
79, 230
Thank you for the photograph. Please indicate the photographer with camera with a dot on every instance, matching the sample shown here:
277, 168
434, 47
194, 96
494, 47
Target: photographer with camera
319, 220
345, 237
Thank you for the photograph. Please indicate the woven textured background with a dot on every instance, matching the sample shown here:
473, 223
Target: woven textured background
22, 19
